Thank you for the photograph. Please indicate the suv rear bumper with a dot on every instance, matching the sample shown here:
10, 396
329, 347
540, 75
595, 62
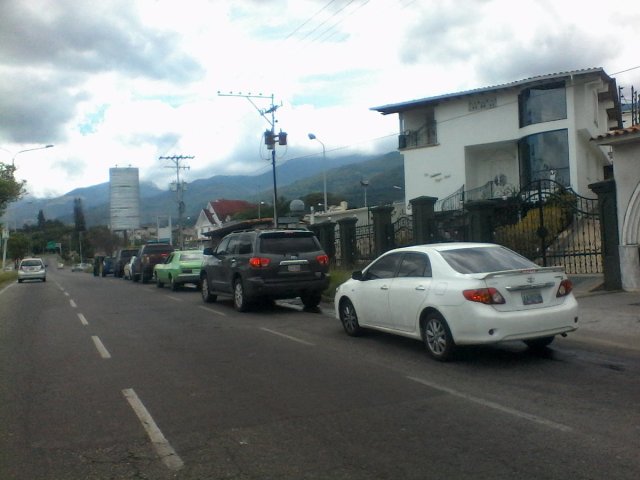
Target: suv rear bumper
257, 287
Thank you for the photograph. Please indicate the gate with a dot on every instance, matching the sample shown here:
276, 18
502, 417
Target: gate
552, 225
403, 231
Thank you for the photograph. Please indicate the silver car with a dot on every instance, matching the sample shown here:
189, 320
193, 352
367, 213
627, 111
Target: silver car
32, 269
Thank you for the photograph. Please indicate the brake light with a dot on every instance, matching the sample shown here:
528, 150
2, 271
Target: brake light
565, 288
259, 262
488, 296
323, 259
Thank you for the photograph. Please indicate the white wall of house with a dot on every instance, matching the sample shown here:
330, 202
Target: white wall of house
476, 145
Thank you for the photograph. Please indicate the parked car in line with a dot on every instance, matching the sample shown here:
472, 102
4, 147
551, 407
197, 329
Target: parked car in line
455, 294
120, 259
265, 264
32, 269
180, 267
127, 275
80, 267
102, 266
148, 256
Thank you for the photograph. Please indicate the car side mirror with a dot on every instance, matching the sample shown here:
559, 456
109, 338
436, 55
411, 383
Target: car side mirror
357, 275
207, 251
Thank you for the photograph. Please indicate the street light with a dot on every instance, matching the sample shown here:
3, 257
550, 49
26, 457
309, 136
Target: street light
324, 163
13, 160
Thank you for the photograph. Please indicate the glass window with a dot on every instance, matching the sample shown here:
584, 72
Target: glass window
191, 256
223, 246
545, 156
281, 243
543, 103
384, 267
485, 260
415, 265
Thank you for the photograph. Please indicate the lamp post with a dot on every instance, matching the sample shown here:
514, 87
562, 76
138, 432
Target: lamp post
13, 160
324, 163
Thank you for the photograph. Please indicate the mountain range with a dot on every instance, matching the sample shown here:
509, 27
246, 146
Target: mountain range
295, 179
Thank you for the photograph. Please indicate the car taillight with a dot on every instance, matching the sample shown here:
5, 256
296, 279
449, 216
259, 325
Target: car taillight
565, 288
323, 259
259, 262
488, 296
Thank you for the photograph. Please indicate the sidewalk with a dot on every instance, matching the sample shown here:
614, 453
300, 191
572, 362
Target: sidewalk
606, 317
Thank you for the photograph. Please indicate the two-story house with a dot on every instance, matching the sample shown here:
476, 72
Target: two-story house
491, 142
216, 214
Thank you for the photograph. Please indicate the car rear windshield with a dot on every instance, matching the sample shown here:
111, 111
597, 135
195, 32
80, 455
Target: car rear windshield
283, 243
31, 263
191, 256
485, 260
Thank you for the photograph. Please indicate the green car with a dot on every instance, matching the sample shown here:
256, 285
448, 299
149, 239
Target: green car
180, 267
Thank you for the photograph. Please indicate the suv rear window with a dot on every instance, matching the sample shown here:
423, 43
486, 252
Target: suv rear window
282, 243
157, 248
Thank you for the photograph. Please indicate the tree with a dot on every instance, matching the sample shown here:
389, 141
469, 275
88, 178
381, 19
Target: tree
78, 215
41, 220
10, 189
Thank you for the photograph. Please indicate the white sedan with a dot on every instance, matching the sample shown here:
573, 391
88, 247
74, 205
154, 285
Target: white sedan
453, 294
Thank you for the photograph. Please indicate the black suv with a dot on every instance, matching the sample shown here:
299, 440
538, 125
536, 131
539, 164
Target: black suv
121, 259
147, 257
265, 264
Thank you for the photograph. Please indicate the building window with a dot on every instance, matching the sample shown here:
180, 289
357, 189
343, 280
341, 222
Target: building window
422, 135
543, 103
545, 156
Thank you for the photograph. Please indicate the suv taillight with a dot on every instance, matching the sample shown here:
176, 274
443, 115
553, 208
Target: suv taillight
323, 259
259, 262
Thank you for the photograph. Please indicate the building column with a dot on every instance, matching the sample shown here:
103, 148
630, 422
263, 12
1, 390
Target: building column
348, 251
607, 205
383, 235
423, 215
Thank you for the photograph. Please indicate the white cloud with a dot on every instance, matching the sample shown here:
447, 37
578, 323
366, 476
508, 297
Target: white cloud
136, 80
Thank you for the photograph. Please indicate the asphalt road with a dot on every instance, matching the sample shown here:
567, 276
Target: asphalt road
101, 378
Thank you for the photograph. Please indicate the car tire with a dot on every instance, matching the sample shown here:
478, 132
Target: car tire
159, 284
44, 279
240, 301
144, 278
207, 296
20, 281
539, 343
349, 318
437, 337
174, 285
311, 300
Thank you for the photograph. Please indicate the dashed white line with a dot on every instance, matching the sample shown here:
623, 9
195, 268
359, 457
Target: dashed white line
494, 405
289, 337
222, 314
83, 320
104, 353
72, 303
163, 448
175, 299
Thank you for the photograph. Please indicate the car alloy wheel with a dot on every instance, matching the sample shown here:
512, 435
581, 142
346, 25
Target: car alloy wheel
349, 318
239, 299
437, 337
207, 296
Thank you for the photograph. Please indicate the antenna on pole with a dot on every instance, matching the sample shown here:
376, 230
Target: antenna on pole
270, 136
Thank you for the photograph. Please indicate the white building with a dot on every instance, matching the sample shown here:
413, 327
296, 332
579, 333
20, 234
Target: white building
493, 141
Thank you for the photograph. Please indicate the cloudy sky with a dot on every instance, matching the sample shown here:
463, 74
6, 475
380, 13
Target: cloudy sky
125, 82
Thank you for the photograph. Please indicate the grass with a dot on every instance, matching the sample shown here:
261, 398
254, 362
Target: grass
7, 277
338, 276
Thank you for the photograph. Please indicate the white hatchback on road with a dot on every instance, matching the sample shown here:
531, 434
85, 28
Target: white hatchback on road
32, 269
453, 294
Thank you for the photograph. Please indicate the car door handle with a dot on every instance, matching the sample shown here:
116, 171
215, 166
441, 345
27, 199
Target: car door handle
420, 287
384, 287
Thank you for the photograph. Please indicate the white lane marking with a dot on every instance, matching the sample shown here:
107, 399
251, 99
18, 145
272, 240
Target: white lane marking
495, 406
83, 320
213, 311
104, 353
175, 299
66, 293
73, 304
289, 337
163, 448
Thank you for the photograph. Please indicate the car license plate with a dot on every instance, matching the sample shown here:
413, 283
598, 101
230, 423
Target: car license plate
531, 298
293, 268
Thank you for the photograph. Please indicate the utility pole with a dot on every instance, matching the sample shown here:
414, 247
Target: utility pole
180, 187
270, 137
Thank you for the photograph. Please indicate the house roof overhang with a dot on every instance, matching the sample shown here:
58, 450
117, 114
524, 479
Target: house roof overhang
528, 82
621, 136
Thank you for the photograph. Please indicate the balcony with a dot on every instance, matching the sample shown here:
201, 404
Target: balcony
424, 137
